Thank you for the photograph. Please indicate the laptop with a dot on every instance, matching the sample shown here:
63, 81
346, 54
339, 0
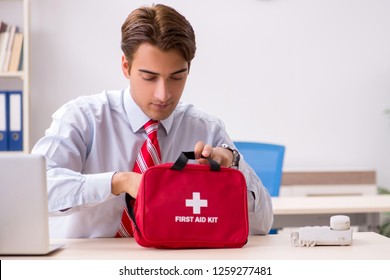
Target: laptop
24, 224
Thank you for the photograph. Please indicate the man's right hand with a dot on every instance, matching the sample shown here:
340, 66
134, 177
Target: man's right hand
126, 182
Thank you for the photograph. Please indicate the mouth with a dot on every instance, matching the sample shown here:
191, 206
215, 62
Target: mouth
161, 106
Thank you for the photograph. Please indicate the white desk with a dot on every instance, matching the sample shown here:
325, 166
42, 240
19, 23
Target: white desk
302, 211
366, 245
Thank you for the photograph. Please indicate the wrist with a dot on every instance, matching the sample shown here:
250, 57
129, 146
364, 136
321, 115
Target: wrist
116, 183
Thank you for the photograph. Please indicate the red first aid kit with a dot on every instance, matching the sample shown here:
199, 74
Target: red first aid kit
184, 205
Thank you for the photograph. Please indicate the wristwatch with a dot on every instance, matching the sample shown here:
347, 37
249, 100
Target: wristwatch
236, 154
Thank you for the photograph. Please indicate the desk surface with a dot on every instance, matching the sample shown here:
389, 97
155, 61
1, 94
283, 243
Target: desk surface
331, 204
366, 245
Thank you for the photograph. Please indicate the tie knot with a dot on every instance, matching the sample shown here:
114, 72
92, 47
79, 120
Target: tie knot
151, 126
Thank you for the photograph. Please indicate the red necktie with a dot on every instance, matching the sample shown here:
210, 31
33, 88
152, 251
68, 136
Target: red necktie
148, 156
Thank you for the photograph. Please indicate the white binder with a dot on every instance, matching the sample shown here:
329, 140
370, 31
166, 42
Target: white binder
15, 132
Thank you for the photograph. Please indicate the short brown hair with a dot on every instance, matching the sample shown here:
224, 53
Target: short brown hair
161, 26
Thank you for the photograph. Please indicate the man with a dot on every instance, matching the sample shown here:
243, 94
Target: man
93, 141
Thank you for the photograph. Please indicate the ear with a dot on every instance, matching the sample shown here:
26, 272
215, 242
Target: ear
125, 67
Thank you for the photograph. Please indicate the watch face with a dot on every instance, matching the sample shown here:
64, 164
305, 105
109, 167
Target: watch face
226, 146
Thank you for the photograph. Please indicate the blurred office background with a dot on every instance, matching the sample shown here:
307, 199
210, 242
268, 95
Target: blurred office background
311, 75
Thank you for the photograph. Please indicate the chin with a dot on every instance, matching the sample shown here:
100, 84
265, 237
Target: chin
158, 113
159, 116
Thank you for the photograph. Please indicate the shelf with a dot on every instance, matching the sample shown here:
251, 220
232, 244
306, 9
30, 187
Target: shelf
9, 12
19, 74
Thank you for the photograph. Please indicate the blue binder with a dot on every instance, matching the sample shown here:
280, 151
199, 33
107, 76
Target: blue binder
15, 117
3, 121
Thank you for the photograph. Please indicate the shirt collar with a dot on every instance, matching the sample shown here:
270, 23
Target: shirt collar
137, 118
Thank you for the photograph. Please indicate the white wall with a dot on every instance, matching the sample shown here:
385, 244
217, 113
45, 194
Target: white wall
312, 75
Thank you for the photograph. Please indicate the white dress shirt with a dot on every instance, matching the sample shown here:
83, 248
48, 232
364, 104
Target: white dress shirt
92, 137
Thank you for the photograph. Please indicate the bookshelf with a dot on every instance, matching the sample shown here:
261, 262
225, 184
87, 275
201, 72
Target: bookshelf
17, 12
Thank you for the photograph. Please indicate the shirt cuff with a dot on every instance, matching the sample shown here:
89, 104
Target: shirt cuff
98, 187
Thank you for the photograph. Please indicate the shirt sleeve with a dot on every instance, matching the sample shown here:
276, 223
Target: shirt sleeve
65, 146
259, 202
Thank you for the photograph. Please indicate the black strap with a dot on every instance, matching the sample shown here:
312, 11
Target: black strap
182, 160
130, 209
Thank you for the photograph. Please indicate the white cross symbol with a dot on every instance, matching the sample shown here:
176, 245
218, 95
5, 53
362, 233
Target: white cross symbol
196, 203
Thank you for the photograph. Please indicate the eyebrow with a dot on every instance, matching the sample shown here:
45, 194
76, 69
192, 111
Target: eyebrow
155, 73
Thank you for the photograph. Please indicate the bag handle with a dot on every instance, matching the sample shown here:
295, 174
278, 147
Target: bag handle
182, 160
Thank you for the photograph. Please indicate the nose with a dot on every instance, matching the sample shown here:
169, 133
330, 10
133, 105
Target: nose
162, 92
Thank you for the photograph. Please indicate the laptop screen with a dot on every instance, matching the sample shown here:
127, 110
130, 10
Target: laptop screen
23, 205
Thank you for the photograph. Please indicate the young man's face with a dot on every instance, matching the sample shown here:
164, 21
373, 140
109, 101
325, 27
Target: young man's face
157, 80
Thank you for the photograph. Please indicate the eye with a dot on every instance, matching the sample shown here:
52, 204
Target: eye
148, 77
178, 77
